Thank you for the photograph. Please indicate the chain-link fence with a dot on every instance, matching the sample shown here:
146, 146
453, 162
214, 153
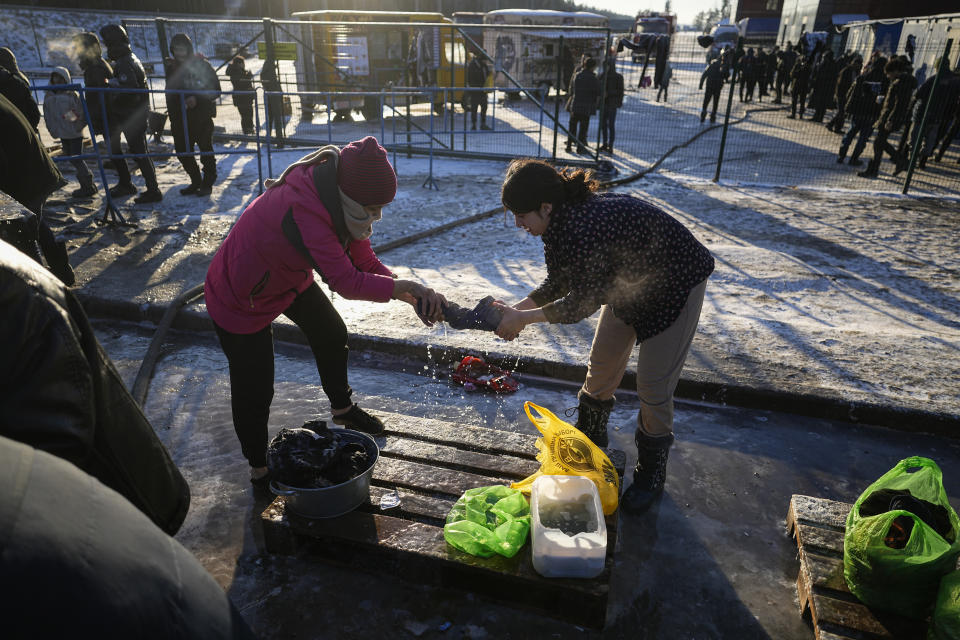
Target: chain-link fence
330, 80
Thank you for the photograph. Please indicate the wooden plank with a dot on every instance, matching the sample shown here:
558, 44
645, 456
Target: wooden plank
818, 525
449, 456
823, 541
418, 551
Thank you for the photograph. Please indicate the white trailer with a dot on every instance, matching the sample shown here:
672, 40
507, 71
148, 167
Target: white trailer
530, 56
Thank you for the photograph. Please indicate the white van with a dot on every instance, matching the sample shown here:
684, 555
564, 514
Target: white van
725, 35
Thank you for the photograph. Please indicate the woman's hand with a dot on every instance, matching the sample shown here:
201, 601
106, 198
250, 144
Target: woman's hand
511, 324
430, 302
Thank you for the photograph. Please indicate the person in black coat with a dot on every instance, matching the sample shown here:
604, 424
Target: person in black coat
848, 74
612, 83
242, 80
270, 81
583, 104
938, 115
97, 74
128, 115
749, 75
823, 84
863, 106
477, 74
800, 84
28, 175
714, 76
893, 114
786, 60
15, 87
192, 105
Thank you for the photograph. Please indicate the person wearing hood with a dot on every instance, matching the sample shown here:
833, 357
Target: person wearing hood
63, 115
192, 106
97, 73
15, 87
242, 80
128, 115
317, 216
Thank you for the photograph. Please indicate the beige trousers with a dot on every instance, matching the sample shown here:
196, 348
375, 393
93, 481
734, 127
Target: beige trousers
659, 362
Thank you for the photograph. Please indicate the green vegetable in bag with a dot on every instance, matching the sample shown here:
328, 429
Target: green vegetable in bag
894, 559
945, 624
489, 520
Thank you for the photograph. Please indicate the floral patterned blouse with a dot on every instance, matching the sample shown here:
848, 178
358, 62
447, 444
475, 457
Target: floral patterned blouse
624, 252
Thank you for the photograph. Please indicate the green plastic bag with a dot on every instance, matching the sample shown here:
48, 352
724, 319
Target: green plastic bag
902, 581
945, 624
489, 520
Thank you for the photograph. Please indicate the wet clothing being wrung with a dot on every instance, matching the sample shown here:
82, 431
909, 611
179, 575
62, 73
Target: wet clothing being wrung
624, 252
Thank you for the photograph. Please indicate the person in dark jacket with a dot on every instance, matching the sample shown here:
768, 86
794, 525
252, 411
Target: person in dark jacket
823, 83
97, 73
477, 74
60, 393
799, 85
15, 86
647, 274
583, 104
893, 114
749, 74
112, 573
763, 73
28, 175
786, 60
665, 79
845, 79
192, 105
940, 112
242, 80
270, 81
714, 76
128, 115
612, 82
863, 106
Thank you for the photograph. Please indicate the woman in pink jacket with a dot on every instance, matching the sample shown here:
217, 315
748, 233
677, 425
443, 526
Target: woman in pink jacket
317, 216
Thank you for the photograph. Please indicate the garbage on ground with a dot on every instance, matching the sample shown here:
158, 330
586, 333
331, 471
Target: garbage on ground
488, 520
565, 450
901, 539
945, 623
314, 456
390, 500
568, 531
482, 375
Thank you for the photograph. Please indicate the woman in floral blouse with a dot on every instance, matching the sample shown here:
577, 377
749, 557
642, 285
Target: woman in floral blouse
646, 273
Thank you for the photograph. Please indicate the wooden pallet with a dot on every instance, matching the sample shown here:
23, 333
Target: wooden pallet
431, 463
818, 525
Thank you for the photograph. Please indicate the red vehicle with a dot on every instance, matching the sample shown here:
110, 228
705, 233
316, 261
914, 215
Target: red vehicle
652, 22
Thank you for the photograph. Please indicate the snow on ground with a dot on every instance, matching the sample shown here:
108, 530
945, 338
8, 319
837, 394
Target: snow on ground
849, 293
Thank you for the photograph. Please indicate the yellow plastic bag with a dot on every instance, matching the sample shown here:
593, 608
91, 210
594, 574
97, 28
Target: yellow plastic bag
566, 451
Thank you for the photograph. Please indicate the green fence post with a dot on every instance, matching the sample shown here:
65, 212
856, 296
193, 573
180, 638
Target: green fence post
915, 146
162, 37
726, 118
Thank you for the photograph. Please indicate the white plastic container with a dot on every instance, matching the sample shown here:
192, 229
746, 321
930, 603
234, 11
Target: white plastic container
568, 530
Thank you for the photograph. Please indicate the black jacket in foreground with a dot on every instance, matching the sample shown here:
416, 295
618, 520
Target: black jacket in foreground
620, 251
60, 393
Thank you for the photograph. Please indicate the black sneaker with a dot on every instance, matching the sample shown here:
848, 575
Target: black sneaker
123, 189
359, 420
150, 195
192, 189
203, 190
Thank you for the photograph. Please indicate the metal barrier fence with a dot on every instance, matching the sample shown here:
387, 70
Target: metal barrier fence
329, 93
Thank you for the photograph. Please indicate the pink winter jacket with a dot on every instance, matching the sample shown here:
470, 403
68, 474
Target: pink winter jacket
257, 271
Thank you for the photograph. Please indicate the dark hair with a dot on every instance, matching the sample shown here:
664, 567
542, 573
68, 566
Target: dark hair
529, 183
590, 63
894, 66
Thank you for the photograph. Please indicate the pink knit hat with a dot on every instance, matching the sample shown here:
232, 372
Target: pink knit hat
365, 174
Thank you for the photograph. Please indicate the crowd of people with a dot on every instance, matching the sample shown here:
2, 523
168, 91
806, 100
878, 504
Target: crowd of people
878, 97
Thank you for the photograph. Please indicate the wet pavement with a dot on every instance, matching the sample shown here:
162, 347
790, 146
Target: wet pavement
710, 560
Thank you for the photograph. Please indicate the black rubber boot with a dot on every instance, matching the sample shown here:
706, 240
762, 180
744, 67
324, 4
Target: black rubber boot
649, 474
592, 417
59, 261
841, 155
87, 188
